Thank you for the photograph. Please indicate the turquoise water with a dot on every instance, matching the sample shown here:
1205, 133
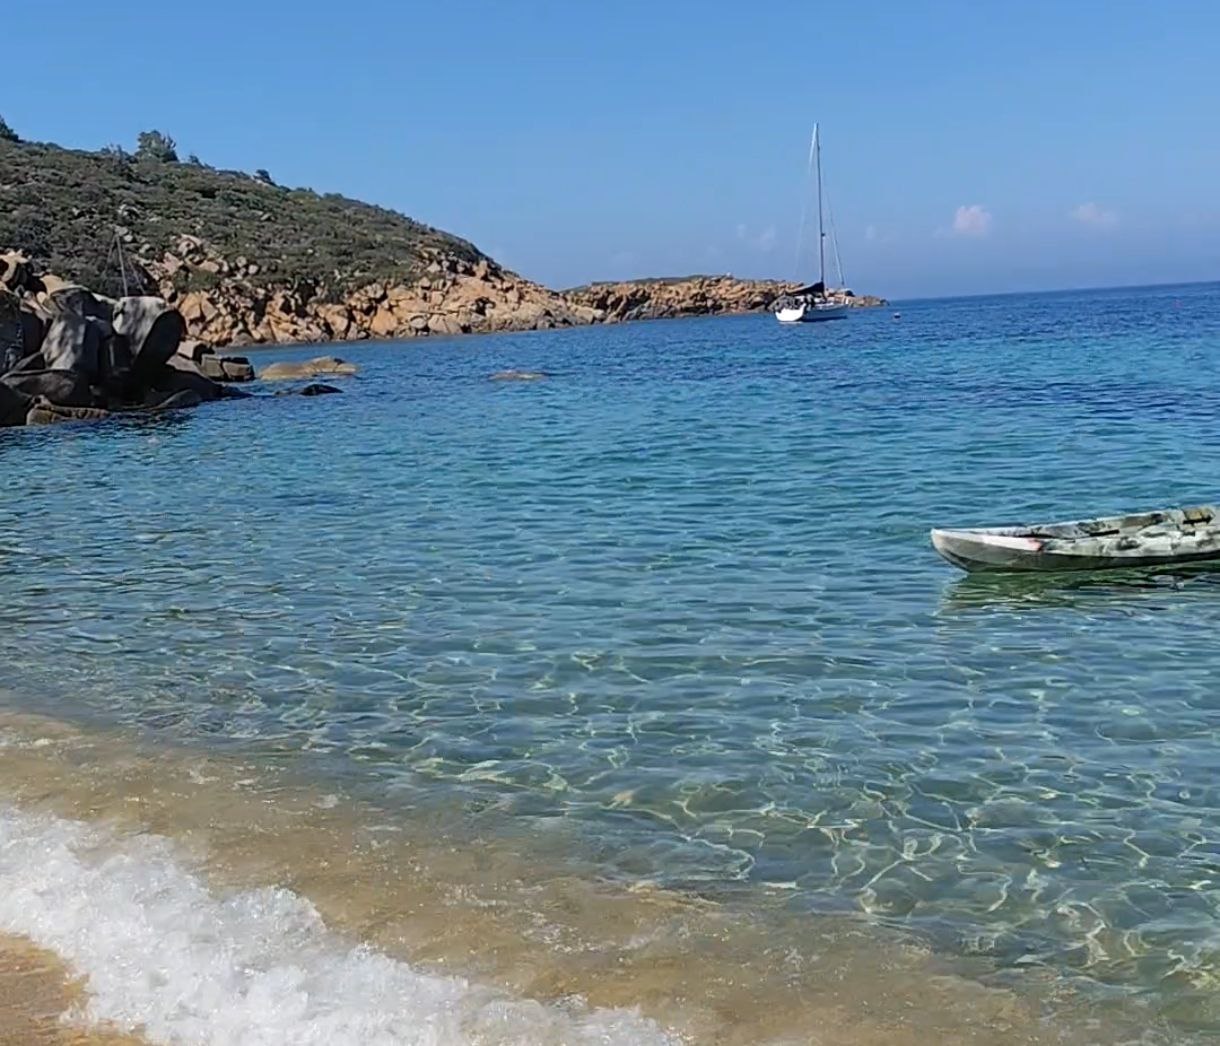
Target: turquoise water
680, 594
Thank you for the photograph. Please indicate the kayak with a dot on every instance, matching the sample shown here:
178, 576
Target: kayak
1150, 539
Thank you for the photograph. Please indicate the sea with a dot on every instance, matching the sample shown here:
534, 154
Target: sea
630, 705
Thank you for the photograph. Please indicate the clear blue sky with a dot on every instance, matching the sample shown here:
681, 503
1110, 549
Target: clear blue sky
969, 146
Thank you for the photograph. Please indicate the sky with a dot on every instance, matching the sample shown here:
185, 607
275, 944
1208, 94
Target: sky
968, 147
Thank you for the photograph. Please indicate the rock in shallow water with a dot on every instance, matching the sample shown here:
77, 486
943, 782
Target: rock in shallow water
519, 375
314, 389
236, 368
309, 369
44, 412
181, 374
180, 400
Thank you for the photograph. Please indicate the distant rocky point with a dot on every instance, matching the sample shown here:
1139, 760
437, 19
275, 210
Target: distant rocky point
692, 296
244, 261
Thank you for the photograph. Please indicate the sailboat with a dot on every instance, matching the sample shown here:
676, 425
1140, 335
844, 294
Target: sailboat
810, 304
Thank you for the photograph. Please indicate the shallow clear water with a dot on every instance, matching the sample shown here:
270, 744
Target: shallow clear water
680, 594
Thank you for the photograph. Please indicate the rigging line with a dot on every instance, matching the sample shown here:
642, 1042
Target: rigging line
800, 236
834, 242
106, 264
122, 264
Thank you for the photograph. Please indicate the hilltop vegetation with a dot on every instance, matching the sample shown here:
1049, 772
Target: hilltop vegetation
63, 206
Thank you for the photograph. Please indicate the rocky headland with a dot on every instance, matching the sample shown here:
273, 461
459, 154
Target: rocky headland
243, 261
692, 296
70, 354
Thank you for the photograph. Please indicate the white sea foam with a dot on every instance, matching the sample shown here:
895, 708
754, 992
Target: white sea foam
163, 953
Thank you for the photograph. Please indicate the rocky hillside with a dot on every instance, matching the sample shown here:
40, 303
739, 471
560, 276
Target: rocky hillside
245, 261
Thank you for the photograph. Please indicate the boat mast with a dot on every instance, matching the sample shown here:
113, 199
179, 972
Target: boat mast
817, 154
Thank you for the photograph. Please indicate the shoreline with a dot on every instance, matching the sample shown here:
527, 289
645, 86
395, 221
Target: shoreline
506, 915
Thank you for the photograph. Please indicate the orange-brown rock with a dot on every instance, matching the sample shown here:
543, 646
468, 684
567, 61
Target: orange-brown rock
448, 295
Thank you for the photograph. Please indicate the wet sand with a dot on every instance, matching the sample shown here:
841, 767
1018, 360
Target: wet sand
440, 890
39, 998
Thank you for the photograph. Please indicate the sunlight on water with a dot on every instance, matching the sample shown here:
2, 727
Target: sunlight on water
680, 595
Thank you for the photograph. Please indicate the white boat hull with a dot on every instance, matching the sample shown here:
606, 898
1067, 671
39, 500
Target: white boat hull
811, 313
1175, 537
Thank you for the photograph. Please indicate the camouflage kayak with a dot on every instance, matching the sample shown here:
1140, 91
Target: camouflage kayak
1149, 539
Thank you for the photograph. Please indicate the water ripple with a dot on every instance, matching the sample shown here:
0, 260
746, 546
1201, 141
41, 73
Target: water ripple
681, 593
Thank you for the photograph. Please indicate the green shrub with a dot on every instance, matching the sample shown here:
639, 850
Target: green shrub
61, 206
153, 145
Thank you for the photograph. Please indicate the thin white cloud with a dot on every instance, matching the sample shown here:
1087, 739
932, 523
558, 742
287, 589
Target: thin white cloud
971, 219
763, 241
1094, 215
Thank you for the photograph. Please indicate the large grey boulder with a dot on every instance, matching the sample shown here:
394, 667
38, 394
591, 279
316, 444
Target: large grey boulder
116, 369
12, 331
75, 301
69, 388
13, 407
34, 361
73, 343
152, 328
181, 374
194, 350
33, 327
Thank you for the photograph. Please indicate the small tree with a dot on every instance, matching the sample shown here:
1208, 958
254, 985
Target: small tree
119, 157
261, 175
7, 134
153, 145
194, 160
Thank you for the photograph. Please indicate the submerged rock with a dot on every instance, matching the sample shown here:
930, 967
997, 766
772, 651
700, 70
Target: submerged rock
66, 387
180, 400
329, 365
519, 375
313, 389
